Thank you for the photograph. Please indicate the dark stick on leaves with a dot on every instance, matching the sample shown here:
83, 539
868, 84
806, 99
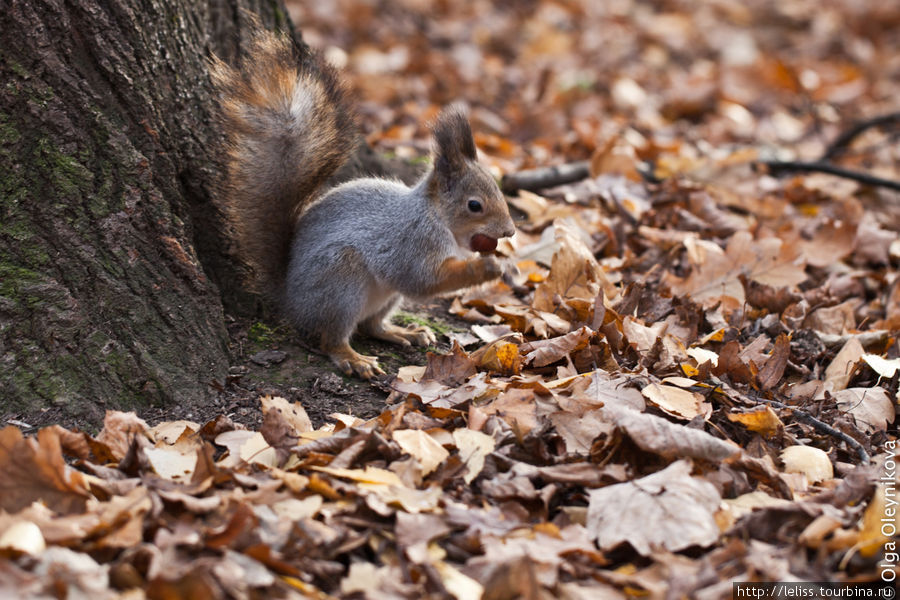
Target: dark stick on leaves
815, 423
841, 142
836, 148
545, 177
778, 167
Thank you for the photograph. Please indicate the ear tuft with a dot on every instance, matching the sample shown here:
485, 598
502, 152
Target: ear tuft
453, 137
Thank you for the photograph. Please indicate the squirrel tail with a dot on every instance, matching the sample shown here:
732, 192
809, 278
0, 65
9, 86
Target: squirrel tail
288, 128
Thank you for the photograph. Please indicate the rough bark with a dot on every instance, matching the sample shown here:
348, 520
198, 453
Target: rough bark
113, 262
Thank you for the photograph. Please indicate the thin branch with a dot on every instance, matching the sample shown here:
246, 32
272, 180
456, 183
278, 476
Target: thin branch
841, 142
545, 177
777, 167
866, 338
807, 418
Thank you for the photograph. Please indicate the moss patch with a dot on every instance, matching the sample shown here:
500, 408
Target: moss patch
441, 328
267, 336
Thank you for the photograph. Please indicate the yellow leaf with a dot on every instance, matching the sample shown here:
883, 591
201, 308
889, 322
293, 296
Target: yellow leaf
690, 370
761, 420
871, 536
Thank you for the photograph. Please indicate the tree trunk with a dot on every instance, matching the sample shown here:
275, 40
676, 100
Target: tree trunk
113, 261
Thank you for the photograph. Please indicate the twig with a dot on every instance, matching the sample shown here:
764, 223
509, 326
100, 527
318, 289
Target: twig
545, 177
807, 418
866, 338
777, 167
839, 145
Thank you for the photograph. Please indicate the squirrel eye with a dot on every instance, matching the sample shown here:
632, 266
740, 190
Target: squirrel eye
474, 206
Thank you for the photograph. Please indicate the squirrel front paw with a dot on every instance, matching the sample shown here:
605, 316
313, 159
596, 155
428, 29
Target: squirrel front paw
493, 267
419, 335
413, 335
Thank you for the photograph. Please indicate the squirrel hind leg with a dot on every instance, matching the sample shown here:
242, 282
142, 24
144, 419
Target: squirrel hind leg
348, 360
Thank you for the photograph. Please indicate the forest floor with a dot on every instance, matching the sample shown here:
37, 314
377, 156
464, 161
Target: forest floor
270, 359
692, 382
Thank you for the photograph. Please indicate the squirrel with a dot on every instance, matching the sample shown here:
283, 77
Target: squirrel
341, 260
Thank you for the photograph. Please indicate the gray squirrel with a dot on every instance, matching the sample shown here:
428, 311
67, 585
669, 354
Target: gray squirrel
341, 260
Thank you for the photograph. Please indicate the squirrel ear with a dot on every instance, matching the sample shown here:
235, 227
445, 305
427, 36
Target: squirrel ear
453, 137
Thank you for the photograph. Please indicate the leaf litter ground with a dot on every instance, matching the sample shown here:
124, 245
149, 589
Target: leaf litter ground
692, 380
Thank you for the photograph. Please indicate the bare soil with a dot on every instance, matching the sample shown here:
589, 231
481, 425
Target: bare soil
303, 376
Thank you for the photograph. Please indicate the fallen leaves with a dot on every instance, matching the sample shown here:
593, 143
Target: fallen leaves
497, 507
810, 462
716, 272
33, 470
624, 417
682, 509
872, 408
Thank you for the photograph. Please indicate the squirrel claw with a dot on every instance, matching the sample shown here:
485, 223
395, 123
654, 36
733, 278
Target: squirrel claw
413, 335
352, 363
364, 369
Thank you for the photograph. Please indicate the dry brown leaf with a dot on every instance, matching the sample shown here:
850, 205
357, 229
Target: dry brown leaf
677, 402
873, 242
872, 408
579, 431
639, 335
603, 390
172, 464
574, 273
33, 470
872, 534
294, 509
885, 368
835, 320
246, 446
659, 436
667, 510
291, 413
770, 373
715, 273
473, 447
500, 356
517, 408
545, 352
118, 430
450, 369
409, 499
370, 476
831, 242
422, 447
841, 368
171, 431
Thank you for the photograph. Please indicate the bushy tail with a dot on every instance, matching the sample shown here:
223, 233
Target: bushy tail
288, 129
